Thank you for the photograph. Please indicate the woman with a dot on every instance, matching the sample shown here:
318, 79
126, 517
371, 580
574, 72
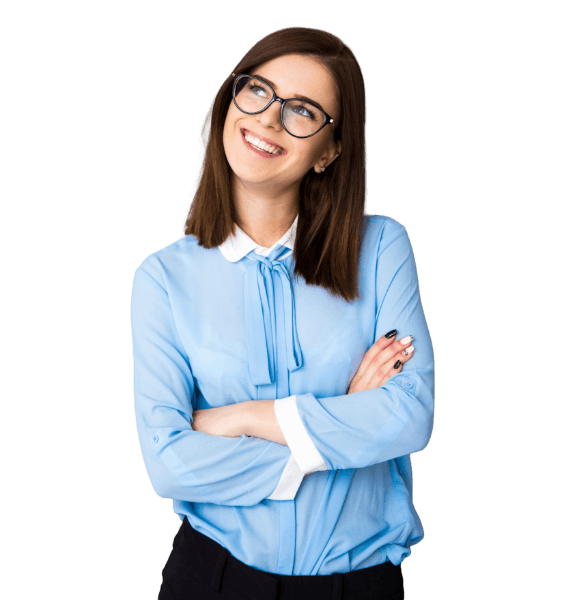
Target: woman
269, 344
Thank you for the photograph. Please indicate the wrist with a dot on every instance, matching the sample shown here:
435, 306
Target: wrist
260, 421
246, 417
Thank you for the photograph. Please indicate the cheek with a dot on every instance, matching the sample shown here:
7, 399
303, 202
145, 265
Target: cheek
228, 126
229, 133
307, 152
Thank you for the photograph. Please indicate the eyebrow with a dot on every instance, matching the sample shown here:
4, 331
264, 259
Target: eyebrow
297, 97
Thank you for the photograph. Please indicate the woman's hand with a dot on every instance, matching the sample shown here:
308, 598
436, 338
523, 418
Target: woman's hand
382, 361
225, 421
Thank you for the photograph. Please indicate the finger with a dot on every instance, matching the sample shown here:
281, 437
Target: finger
393, 349
352, 386
392, 367
378, 362
377, 347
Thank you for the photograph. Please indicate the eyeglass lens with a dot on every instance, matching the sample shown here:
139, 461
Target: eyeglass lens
300, 118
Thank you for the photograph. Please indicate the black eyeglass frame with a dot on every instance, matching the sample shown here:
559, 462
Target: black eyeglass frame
327, 118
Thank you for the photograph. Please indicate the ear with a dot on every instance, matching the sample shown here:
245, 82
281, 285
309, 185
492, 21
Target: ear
329, 156
334, 151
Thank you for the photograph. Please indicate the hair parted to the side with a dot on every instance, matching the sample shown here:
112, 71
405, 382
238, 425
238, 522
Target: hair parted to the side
331, 205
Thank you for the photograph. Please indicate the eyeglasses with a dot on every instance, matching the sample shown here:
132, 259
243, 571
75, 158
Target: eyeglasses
302, 119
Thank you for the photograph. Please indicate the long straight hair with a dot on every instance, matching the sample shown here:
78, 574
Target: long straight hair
331, 204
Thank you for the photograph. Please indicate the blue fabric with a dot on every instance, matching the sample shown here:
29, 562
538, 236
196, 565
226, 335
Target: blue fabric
260, 316
208, 332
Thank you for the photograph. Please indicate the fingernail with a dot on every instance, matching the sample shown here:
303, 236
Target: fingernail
398, 363
391, 334
406, 340
408, 350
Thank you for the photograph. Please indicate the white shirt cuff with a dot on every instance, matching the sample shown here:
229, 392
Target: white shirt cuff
299, 442
289, 482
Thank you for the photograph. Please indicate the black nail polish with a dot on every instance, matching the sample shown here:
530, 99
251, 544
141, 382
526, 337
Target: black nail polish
391, 334
398, 363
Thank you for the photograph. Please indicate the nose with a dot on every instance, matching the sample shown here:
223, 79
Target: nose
271, 116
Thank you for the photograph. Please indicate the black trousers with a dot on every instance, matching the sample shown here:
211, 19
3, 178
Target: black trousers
199, 568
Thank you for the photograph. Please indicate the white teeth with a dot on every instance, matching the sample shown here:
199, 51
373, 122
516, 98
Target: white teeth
261, 144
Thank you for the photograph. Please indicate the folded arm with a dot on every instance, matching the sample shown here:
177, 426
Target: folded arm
373, 426
184, 464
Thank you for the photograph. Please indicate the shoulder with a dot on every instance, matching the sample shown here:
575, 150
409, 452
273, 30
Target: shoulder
379, 229
176, 256
381, 223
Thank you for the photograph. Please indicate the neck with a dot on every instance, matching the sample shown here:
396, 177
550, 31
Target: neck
265, 219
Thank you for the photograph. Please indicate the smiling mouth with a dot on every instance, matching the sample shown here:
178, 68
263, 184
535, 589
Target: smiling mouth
260, 144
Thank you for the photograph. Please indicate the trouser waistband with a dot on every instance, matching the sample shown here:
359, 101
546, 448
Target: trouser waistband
219, 568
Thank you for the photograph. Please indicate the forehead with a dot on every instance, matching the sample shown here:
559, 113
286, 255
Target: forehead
295, 75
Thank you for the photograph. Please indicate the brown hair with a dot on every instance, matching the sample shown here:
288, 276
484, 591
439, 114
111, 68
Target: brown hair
331, 204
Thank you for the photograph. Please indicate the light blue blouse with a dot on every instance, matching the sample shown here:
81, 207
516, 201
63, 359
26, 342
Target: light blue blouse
231, 324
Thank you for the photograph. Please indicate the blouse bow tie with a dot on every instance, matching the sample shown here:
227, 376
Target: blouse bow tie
260, 316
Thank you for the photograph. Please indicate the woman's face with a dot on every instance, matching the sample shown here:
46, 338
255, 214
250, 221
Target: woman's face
292, 75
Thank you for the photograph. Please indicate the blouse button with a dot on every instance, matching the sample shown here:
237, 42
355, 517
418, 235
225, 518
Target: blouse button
155, 438
409, 384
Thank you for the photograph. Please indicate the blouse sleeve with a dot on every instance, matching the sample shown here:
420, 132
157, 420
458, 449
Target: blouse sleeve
395, 419
183, 464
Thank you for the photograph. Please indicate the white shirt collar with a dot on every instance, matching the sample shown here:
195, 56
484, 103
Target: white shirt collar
236, 246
